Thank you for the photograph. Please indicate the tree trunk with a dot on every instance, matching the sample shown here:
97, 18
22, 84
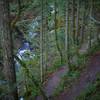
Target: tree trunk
73, 21
67, 33
42, 43
7, 47
46, 35
77, 22
56, 36
83, 23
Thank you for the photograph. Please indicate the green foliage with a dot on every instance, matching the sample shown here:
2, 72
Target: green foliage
98, 76
94, 49
29, 77
66, 81
81, 59
73, 50
2, 90
31, 91
79, 63
56, 64
74, 74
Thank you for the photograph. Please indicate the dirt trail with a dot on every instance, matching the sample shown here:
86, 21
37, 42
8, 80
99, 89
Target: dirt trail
88, 76
54, 81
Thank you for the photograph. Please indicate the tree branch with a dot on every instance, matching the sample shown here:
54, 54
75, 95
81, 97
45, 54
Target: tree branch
13, 23
93, 19
91, 10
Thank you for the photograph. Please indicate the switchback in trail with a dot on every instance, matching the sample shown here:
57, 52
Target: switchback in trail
87, 77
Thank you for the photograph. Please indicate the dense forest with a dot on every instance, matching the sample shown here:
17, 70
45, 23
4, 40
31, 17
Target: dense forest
49, 49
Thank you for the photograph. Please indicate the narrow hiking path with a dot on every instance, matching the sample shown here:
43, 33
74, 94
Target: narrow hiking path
88, 76
54, 81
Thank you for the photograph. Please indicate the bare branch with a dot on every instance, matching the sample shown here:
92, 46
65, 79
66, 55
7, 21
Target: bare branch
91, 10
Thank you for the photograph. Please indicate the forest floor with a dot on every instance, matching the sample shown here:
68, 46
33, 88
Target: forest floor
86, 77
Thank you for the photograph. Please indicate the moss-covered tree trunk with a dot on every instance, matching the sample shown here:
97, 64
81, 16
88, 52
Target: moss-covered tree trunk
7, 48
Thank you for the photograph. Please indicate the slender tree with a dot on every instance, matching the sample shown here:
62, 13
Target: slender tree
46, 35
83, 22
73, 20
90, 31
67, 32
56, 36
77, 22
41, 44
